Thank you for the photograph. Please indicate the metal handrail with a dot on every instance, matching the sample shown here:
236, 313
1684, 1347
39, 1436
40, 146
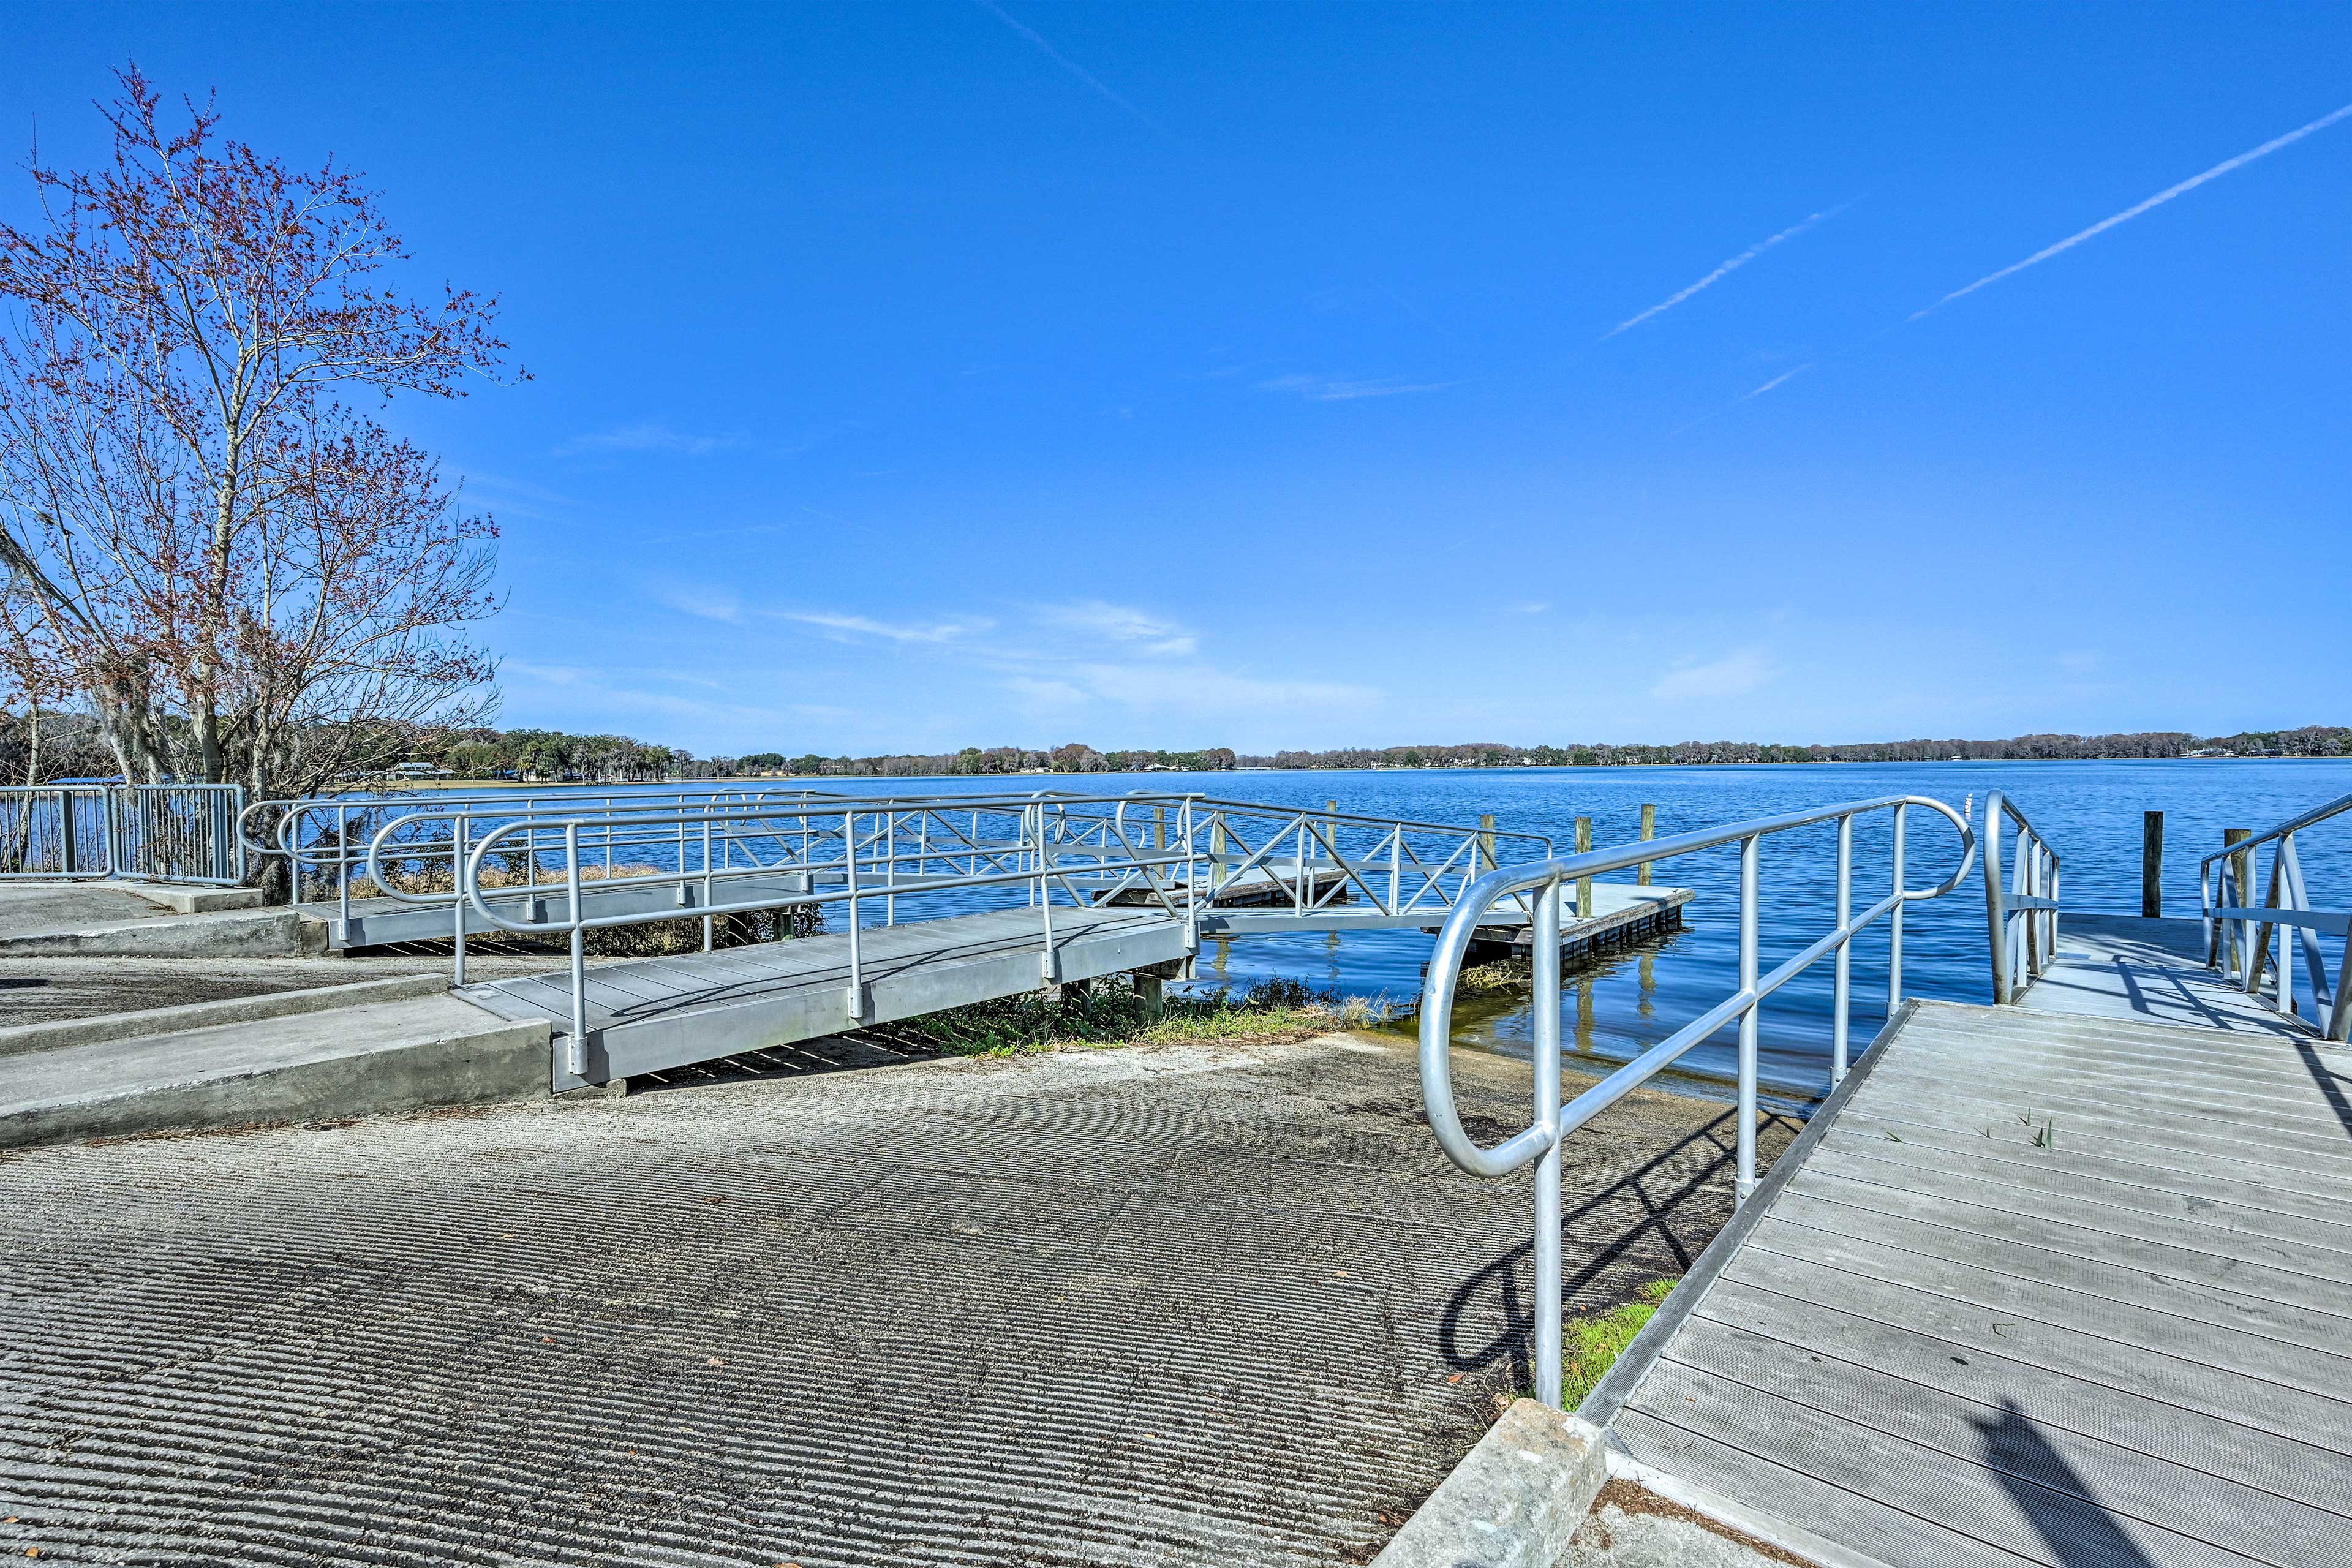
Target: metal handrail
340, 854
2238, 932
163, 832
1541, 1142
2021, 904
1042, 843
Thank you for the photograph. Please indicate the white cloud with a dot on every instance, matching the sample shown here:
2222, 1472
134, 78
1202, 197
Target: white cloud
1122, 622
1785, 375
1532, 606
860, 626
648, 437
1723, 270
1734, 675
1335, 389
2157, 200
710, 606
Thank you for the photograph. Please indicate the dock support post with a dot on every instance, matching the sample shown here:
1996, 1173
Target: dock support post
2240, 872
2151, 864
1483, 857
1154, 992
1548, 1202
1649, 831
1584, 884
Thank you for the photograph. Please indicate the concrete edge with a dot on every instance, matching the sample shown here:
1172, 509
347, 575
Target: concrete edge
1608, 1397
189, 900
1513, 1501
23, 1039
500, 1063
1736, 1517
222, 933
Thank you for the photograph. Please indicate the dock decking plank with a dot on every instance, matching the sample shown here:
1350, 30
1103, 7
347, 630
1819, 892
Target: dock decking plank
2130, 1345
2125, 1165
2244, 1378
1994, 1427
2026, 1521
2039, 1233
2070, 1204
2049, 1396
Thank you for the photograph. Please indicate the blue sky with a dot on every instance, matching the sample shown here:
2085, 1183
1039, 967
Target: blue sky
914, 376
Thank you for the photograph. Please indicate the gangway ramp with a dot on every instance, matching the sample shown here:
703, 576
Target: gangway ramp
649, 1014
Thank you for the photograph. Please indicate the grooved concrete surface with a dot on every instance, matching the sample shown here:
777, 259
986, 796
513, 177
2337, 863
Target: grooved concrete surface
1199, 1304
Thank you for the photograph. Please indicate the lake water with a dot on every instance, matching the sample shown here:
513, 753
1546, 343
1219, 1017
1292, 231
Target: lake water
1635, 998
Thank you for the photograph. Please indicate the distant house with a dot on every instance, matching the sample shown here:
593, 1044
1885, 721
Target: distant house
418, 771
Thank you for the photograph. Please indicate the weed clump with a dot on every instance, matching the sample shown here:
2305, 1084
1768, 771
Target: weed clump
1591, 1345
1112, 1012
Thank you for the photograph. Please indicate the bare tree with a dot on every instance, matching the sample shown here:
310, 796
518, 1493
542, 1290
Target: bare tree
245, 575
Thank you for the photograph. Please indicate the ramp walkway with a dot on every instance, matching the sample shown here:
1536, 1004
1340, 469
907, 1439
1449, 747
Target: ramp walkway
646, 1014
2064, 1281
930, 901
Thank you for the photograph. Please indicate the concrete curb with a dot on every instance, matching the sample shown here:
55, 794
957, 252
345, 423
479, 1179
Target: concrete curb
63, 1032
228, 934
1513, 1501
415, 1053
190, 900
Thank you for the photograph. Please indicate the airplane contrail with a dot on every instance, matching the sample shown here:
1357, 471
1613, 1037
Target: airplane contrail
1067, 64
2157, 200
1723, 271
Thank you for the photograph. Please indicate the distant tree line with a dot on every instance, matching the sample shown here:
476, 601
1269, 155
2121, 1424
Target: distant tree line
39, 746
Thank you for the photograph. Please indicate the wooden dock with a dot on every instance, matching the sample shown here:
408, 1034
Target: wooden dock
2066, 1283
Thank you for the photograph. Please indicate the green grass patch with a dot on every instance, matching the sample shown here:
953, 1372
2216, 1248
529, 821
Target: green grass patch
1111, 1012
1591, 1345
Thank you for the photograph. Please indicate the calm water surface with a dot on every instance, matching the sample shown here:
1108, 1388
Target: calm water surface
1633, 998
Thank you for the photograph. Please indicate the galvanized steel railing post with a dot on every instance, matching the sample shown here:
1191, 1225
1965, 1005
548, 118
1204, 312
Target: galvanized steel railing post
1047, 967
1750, 856
458, 904
576, 1052
1842, 988
1895, 918
856, 963
1548, 1305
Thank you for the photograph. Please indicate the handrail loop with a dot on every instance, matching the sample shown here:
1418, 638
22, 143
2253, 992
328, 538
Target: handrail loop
1541, 1142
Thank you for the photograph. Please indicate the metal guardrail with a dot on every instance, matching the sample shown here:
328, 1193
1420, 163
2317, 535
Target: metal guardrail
2238, 932
163, 832
866, 850
1540, 1143
2020, 903
332, 835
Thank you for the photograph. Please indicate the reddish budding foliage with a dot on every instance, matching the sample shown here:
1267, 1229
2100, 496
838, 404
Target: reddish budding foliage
207, 538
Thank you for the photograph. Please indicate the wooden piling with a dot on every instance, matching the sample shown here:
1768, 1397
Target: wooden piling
1331, 829
1583, 884
2242, 870
1484, 853
2151, 864
1649, 831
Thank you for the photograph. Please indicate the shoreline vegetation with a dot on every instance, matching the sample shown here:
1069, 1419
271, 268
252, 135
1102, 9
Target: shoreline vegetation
51, 746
